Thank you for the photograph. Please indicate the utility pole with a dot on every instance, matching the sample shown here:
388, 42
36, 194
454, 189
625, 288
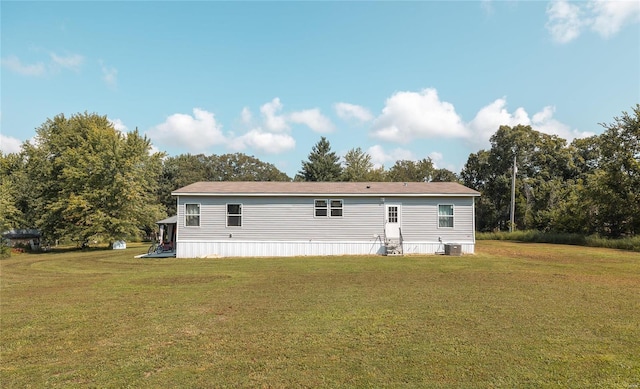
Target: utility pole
513, 194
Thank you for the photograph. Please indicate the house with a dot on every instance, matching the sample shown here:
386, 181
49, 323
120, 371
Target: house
23, 237
323, 218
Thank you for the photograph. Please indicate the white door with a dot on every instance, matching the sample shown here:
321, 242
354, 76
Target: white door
392, 220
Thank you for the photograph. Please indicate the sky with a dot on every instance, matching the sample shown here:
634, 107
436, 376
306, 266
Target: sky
400, 80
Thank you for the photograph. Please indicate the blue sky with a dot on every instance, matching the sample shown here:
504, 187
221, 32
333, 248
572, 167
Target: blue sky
401, 80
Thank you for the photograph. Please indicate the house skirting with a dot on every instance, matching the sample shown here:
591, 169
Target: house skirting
237, 248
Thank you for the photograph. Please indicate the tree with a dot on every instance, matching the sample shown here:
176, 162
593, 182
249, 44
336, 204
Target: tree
411, 171
444, 175
242, 167
11, 216
91, 181
616, 187
186, 169
180, 171
357, 166
322, 165
545, 169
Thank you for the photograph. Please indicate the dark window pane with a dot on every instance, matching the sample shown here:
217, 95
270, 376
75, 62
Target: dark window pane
234, 209
192, 221
234, 221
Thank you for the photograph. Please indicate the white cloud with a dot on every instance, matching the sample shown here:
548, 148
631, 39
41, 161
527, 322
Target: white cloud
247, 116
610, 16
267, 142
348, 111
195, 133
119, 125
275, 121
14, 64
380, 157
199, 132
313, 119
568, 20
10, 145
491, 117
154, 150
544, 122
410, 115
439, 163
71, 61
109, 75
565, 22
436, 158
272, 120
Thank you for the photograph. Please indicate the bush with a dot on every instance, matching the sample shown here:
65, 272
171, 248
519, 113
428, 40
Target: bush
630, 243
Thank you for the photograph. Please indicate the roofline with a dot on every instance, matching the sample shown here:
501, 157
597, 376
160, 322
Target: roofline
263, 194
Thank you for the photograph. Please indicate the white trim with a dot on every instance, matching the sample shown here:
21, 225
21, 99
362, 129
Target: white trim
328, 208
199, 215
473, 218
226, 215
453, 216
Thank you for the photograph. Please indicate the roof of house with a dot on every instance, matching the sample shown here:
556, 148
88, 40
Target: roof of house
278, 188
170, 220
21, 234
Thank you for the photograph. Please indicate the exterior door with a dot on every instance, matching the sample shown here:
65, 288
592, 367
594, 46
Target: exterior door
392, 220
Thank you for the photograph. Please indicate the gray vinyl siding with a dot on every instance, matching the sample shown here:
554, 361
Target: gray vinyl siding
420, 220
292, 219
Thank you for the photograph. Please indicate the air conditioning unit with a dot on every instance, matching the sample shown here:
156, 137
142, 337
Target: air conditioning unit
454, 249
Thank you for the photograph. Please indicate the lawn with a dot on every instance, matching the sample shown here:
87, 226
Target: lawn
513, 315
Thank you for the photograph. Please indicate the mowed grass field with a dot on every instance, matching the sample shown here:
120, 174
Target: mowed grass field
513, 315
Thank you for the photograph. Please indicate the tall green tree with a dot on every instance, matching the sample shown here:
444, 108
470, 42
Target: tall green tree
412, 171
444, 175
544, 169
179, 171
11, 216
242, 167
617, 184
590, 186
91, 181
322, 165
357, 166
186, 169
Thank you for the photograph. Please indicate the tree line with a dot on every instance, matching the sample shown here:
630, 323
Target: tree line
80, 179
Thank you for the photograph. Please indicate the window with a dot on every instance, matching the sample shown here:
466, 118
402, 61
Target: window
234, 215
445, 216
192, 215
336, 208
328, 208
321, 208
392, 216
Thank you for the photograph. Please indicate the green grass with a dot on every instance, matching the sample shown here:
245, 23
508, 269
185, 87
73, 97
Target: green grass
628, 243
513, 315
